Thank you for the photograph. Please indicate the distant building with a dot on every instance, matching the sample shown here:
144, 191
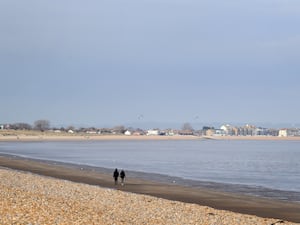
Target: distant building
283, 133
219, 132
186, 132
288, 132
210, 132
247, 130
225, 128
91, 132
260, 131
127, 132
294, 132
152, 132
228, 130
170, 132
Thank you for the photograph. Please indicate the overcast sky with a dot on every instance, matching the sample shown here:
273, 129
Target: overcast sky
106, 62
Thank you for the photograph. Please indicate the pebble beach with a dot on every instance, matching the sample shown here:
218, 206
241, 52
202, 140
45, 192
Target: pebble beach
27, 198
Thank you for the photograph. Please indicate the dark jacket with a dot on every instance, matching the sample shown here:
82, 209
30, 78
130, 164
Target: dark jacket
116, 174
122, 174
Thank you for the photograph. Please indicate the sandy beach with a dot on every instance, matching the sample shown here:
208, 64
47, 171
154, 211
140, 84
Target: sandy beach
48, 136
92, 198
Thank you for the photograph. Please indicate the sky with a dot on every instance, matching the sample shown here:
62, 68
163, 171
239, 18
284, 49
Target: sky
115, 62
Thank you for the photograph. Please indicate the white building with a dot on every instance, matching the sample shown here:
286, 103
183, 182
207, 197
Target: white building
283, 133
127, 132
226, 129
289, 132
91, 132
152, 132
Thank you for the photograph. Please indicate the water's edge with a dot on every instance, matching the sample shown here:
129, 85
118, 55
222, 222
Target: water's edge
257, 191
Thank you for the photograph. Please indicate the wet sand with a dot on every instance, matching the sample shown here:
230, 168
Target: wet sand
261, 207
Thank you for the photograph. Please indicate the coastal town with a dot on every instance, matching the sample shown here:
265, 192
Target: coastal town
186, 130
43, 192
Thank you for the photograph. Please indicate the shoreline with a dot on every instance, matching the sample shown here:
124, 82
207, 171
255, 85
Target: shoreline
236, 189
262, 207
53, 137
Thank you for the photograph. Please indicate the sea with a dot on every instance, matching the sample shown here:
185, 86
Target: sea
261, 168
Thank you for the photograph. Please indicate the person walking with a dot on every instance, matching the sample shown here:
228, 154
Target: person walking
122, 175
116, 176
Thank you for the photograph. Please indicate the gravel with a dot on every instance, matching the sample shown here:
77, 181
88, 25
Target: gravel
30, 199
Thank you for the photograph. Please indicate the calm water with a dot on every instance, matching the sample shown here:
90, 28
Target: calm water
267, 168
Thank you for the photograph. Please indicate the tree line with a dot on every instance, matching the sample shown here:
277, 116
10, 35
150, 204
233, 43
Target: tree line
44, 125
41, 125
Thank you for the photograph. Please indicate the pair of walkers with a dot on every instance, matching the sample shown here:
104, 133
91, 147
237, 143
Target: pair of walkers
117, 174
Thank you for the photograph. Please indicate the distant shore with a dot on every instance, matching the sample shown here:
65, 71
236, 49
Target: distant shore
202, 197
261, 207
48, 136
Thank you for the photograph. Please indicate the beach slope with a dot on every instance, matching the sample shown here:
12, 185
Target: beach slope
31, 199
